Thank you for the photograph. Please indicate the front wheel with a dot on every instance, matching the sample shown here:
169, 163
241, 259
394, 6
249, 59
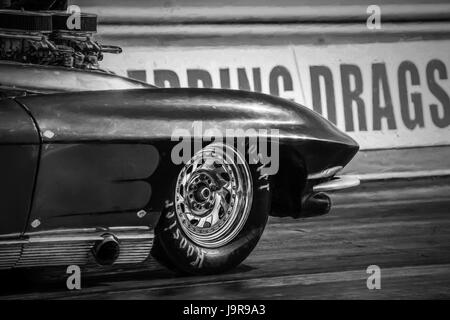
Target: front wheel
215, 215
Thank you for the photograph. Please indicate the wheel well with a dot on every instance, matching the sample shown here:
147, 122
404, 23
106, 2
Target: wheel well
289, 183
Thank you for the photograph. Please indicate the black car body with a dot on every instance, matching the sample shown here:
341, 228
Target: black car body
85, 159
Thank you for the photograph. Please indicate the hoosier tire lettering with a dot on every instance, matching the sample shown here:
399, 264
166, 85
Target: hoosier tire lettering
194, 253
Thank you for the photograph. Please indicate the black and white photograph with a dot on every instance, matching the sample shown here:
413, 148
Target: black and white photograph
224, 153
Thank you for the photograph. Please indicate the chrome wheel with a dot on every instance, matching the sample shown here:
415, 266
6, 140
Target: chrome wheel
213, 195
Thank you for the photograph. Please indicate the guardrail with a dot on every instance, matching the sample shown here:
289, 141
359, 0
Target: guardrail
267, 14
268, 25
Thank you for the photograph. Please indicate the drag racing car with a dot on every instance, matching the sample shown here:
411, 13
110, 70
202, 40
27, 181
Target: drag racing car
102, 169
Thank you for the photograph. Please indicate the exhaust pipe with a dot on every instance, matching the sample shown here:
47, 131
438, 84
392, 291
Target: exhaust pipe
107, 250
315, 204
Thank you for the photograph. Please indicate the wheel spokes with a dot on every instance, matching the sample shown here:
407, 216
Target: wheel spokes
219, 203
210, 197
201, 222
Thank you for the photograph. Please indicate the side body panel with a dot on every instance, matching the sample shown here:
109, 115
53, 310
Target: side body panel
91, 185
19, 151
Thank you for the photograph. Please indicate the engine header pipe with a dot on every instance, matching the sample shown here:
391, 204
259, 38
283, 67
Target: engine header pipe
106, 251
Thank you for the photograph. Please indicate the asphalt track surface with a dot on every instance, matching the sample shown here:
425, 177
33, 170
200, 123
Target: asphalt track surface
401, 226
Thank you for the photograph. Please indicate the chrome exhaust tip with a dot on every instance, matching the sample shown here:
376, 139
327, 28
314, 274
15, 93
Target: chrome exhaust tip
315, 204
107, 250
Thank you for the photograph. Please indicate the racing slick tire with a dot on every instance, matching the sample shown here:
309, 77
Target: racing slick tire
215, 214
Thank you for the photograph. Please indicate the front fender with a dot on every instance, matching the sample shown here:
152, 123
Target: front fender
142, 115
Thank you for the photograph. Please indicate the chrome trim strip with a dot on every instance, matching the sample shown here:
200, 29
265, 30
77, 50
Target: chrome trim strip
337, 183
9, 236
325, 173
89, 230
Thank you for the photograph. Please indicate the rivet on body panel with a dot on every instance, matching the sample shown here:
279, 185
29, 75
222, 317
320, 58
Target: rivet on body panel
35, 223
141, 213
49, 134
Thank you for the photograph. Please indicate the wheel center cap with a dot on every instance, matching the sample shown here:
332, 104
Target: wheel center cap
202, 194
